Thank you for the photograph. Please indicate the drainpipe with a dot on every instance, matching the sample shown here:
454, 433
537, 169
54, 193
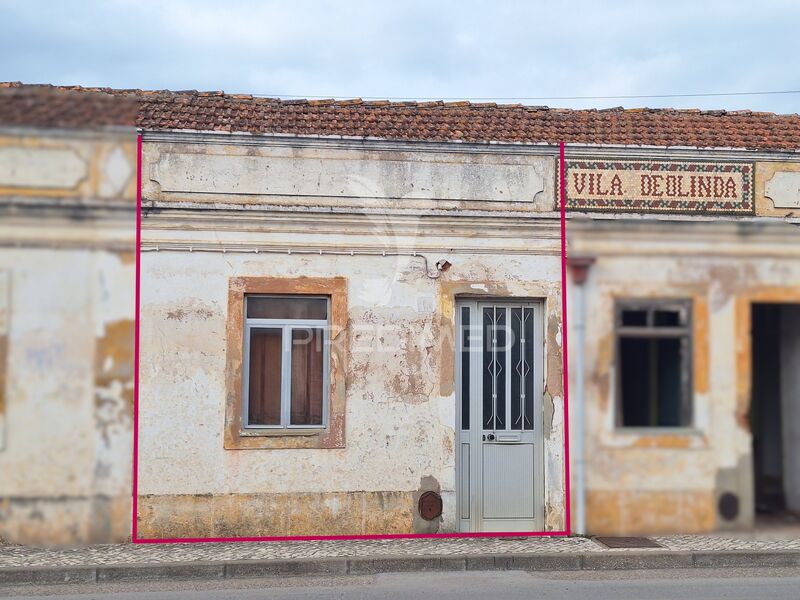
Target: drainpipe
579, 267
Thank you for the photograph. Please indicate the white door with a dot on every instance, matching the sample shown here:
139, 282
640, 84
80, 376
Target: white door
500, 378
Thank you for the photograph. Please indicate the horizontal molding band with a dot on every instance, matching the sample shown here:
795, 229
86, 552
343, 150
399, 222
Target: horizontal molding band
488, 147
152, 209
337, 250
732, 254
34, 244
457, 215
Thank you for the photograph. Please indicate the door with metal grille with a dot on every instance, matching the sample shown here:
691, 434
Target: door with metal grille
500, 383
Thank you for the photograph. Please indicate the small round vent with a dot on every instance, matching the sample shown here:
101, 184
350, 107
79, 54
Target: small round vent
728, 506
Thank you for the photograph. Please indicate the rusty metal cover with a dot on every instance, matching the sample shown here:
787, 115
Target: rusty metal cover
627, 542
430, 506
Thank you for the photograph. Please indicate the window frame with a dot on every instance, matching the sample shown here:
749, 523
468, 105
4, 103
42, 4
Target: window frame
334, 436
287, 326
684, 331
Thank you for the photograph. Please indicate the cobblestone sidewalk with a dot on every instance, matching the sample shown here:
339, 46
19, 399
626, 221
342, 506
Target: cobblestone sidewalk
131, 554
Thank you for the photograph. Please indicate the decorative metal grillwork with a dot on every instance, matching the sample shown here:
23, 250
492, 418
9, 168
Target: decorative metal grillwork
523, 367
495, 367
508, 386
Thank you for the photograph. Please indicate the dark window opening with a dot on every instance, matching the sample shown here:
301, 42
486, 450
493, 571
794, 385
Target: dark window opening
634, 317
654, 363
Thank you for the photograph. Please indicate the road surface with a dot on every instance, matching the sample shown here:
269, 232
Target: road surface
697, 584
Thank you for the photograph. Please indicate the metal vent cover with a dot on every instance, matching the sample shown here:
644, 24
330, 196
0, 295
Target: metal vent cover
430, 506
728, 506
627, 542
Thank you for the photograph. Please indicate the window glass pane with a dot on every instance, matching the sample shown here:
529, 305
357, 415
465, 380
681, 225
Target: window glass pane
264, 377
518, 367
502, 343
667, 318
634, 317
634, 358
487, 391
307, 376
465, 367
652, 382
494, 364
668, 352
286, 307
531, 373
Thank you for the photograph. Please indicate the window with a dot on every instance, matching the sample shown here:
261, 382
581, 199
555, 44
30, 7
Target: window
654, 363
273, 326
286, 361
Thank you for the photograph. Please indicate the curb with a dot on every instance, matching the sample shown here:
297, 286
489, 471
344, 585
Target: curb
590, 561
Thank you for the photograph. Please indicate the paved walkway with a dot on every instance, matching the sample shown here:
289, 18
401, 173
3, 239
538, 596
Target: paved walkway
133, 554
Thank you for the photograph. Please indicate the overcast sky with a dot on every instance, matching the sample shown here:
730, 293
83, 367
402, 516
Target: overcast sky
409, 49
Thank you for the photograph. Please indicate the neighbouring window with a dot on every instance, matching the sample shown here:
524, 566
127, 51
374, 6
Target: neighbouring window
286, 361
654, 343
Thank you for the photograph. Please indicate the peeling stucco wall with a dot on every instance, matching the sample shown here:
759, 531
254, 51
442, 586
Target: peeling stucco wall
312, 172
400, 408
69, 166
65, 465
66, 331
671, 482
65, 456
5, 294
399, 382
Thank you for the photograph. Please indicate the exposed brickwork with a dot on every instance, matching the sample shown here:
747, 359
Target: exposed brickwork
428, 121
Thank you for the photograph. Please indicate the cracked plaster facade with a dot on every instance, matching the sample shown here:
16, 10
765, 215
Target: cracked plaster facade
71, 378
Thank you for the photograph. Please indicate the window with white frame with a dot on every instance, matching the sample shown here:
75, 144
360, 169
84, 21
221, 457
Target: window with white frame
286, 356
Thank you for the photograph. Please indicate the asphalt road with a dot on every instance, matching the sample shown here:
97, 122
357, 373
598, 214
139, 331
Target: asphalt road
698, 584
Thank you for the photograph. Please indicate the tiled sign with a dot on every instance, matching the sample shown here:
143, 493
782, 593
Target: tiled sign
659, 186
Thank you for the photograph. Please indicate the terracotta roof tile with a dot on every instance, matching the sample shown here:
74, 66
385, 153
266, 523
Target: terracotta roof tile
428, 121
45, 106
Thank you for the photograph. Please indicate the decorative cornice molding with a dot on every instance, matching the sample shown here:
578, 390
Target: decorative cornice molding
754, 238
491, 147
116, 133
166, 211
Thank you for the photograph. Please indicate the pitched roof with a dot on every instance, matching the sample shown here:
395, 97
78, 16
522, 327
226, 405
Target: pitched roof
439, 121
51, 107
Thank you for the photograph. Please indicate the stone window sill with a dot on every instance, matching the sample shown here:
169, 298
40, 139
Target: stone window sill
674, 438
276, 432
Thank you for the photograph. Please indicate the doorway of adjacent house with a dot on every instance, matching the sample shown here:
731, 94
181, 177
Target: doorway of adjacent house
500, 377
775, 413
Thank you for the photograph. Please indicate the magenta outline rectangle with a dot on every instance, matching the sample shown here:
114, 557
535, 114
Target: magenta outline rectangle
135, 482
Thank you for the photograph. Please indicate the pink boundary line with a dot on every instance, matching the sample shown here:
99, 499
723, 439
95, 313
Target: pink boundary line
135, 484
564, 347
